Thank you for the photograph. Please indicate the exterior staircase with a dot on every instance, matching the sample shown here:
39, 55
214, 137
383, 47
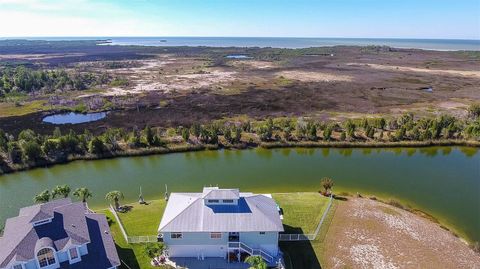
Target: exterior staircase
251, 251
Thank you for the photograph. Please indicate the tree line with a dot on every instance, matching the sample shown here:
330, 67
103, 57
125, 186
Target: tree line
25, 80
30, 148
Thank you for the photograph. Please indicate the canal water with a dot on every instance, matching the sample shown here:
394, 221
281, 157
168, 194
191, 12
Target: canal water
443, 181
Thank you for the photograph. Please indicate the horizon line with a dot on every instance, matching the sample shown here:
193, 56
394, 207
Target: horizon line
199, 36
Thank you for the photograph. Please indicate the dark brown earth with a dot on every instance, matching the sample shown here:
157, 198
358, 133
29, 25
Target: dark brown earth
179, 86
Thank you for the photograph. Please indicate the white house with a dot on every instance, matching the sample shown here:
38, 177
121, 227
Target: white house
221, 223
57, 234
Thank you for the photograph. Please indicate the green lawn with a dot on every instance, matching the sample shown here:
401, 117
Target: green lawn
143, 219
301, 211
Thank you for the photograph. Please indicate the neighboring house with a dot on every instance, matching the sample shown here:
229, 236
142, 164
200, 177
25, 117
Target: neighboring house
221, 223
57, 234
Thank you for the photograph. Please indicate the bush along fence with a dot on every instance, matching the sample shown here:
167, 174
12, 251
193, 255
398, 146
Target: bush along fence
308, 237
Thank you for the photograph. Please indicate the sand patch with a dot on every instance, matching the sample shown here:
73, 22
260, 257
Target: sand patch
365, 235
252, 64
464, 73
34, 57
309, 76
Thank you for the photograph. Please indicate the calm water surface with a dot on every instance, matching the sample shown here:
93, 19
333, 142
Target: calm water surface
74, 118
280, 42
443, 181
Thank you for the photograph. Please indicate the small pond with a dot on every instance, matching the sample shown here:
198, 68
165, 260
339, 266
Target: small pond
74, 118
238, 56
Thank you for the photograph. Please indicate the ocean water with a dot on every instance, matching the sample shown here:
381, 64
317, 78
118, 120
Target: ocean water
284, 42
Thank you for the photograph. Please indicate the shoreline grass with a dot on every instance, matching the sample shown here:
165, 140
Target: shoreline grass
266, 145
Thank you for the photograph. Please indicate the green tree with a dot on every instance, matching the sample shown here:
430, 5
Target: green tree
327, 133
115, 197
27, 135
3, 140
83, 194
195, 130
149, 135
474, 110
312, 131
350, 128
96, 146
51, 148
31, 151
228, 135
185, 134
256, 262
42, 197
327, 184
14, 152
369, 131
61, 190
57, 133
237, 135
381, 123
400, 133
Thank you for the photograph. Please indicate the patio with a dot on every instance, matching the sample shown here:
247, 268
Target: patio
208, 263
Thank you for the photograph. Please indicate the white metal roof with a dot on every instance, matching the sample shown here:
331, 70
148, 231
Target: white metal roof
187, 212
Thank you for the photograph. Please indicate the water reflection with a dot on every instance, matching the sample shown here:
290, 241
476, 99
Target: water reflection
429, 152
469, 152
325, 152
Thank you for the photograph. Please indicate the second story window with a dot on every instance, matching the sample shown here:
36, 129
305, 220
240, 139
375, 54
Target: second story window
213, 201
18, 266
176, 235
262, 233
228, 201
73, 253
46, 257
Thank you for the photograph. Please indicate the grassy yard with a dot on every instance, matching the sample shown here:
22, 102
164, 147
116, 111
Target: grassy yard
143, 219
302, 212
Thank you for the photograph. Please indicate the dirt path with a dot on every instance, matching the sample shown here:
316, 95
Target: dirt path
369, 234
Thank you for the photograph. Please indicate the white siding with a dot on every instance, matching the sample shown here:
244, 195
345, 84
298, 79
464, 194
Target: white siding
268, 242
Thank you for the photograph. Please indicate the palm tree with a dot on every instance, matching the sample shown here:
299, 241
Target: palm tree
256, 262
115, 196
42, 197
82, 193
62, 190
327, 184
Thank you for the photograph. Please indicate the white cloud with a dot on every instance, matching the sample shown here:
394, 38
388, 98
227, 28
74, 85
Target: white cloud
21, 23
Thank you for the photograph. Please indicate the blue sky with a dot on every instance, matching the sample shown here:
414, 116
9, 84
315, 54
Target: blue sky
280, 18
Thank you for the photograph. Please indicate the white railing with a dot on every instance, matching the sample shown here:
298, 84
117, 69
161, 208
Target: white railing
307, 237
251, 251
142, 239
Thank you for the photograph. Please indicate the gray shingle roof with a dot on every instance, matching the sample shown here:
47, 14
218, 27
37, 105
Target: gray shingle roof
22, 240
187, 212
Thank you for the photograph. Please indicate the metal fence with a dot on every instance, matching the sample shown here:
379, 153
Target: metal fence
142, 239
307, 237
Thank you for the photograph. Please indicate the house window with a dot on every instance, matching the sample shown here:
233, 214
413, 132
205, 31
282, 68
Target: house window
176, 235
46, 257
214, 201
215, 235
73, 253
17, 266
262, 233
228, 201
